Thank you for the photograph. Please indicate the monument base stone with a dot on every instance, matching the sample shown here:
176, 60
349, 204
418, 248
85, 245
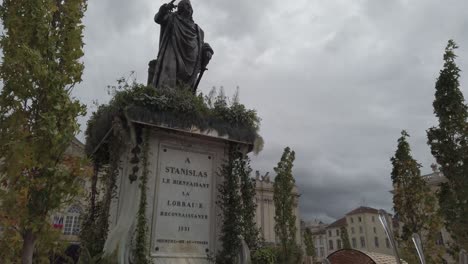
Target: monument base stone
182, 216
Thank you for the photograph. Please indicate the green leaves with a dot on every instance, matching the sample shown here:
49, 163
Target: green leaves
284, 200
449, 146
42, 48
309, 243
175, 108
413, 203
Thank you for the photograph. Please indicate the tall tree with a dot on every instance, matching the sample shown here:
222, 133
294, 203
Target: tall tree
250, 232
237, 194
309, 244
345, 238
414, 203
284, 200
449, 146
42, 46
230, 203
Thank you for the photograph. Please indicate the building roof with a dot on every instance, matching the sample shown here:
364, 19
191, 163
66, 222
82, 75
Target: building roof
319, 232
338, 223
363, 210
435, 178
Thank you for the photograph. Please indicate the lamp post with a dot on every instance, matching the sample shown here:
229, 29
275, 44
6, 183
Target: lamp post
388, 231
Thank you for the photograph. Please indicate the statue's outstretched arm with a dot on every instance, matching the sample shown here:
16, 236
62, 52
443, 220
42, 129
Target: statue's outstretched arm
162, 16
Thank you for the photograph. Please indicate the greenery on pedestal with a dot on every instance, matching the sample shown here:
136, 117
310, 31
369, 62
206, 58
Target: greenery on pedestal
449, 146
309, 244
96, 221
173, 108
285, 200
414, 205
42, 47
345, 238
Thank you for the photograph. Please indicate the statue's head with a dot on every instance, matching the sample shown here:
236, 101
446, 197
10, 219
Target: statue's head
184, 8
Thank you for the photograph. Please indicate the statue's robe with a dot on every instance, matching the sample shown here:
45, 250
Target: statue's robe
180, 51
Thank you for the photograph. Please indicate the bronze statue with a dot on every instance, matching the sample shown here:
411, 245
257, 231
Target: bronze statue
183, 54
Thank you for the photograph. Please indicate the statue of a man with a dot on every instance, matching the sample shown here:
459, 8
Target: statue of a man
183, 53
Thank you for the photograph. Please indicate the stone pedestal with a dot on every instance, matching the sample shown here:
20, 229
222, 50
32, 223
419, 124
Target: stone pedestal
183, 219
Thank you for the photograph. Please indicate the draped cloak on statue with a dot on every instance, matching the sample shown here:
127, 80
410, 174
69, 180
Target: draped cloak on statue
181, 48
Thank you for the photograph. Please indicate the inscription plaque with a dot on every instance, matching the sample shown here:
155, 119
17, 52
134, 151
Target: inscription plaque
184, 200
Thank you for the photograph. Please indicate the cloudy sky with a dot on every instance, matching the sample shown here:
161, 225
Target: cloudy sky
335, 80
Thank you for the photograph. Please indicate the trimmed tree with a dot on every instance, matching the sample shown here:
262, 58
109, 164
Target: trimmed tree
237, 194
230, 203
42, 46
284, 200
449, 146
309, 244
345, 238
414, 204
250, 232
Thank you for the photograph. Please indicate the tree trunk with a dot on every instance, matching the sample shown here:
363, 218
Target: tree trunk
29, 241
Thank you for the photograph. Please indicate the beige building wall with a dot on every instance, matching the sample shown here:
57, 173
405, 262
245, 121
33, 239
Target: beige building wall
367, 233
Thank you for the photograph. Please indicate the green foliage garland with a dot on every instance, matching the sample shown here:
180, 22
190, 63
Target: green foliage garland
174, 108
96, 225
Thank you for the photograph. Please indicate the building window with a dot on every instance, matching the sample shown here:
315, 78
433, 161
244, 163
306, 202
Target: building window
360, 219
387, 242
352, 220
330, 244
322, 252
375, 230
360, 230
338, 244
354, 242
316, 252
321, 240
373, 218
352, 230
337, 232
363, 242
376, 241
73, 221
329, 233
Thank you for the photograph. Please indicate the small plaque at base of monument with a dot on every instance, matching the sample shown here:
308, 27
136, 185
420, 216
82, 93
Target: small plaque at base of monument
184, 200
